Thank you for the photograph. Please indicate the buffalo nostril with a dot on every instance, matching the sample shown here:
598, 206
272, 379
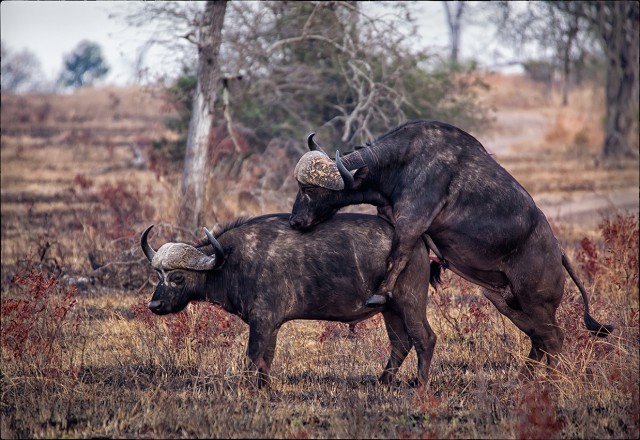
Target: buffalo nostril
294, 222
155, 305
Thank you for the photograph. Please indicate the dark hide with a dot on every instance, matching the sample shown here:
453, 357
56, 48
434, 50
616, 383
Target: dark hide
430, 177
269, 274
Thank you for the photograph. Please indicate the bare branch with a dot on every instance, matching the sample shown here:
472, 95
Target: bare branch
227, 115
301, 38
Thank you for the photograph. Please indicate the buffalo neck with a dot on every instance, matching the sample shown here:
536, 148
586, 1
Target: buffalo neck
370, 195
223, 287
356, 159
369, 191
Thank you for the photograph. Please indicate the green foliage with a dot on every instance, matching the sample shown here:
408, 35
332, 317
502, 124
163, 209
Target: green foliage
180, 95
84, 65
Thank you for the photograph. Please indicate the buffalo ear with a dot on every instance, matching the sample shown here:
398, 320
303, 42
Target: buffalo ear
360, 175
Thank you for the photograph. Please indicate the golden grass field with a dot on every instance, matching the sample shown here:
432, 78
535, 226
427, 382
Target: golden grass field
83, 357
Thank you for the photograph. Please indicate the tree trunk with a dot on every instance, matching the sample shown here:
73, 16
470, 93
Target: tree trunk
195, 161
566, 59
454, 21
620, 38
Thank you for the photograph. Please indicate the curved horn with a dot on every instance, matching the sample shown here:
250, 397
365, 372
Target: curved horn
148, 250
218, 251
344, 172
313, 145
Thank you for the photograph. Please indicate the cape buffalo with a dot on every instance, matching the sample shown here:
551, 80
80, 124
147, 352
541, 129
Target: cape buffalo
431, 177
268, 274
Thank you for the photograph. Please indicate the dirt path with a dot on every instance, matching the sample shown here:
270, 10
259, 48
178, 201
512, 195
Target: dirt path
589, 210
517, 128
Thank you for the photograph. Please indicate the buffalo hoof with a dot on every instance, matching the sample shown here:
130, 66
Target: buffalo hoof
376, 300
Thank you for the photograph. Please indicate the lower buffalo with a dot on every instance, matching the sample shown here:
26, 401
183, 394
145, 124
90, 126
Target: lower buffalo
268, 274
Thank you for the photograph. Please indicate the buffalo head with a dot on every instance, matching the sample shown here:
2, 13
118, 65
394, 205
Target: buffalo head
324, 186
181, 270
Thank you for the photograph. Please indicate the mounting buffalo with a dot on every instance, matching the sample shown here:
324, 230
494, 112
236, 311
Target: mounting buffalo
268, 274
431, 177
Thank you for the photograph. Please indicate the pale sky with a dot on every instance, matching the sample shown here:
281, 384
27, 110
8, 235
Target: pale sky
53, 29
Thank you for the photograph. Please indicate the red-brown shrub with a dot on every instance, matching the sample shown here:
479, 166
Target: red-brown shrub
83, 181
588, 258
201, 325
538, 415
620, 235
332, 330
34, 322
126, 205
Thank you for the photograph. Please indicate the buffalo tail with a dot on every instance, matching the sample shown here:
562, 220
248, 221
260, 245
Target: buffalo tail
592, 325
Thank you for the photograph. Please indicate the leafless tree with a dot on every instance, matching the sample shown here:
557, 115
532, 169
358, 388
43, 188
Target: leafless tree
168, 24
209, 39
617, 26
612, 27
20, 70
454, 11
371, 61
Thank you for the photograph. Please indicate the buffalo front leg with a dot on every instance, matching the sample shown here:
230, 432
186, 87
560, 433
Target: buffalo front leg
409, 228
260, 350
404, 239
270, 352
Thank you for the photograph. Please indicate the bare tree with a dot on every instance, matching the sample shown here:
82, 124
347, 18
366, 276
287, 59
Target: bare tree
562, 39
617, 25
613, 26
337, 66
454, 11
208, 81
20, 70
169, 24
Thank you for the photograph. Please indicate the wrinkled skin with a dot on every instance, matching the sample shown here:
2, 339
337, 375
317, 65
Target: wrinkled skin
430, 177
269, 274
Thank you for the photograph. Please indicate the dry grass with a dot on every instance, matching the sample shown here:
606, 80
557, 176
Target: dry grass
108, 367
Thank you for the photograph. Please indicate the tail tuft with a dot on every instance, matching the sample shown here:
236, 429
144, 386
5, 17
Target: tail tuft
602, 331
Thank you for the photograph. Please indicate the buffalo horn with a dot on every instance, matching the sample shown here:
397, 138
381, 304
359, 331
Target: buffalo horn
313, 145
347, 178
148, 250
218, 251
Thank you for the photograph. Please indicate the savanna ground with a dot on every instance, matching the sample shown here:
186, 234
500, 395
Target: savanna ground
83, 357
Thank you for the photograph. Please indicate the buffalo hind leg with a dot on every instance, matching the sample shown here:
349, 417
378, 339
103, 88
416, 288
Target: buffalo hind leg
405, 333
400, 345
424, 341
539, 324
548, 339
425, 355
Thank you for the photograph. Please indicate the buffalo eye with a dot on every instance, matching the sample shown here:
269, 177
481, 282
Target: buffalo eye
177, 279
310, 190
